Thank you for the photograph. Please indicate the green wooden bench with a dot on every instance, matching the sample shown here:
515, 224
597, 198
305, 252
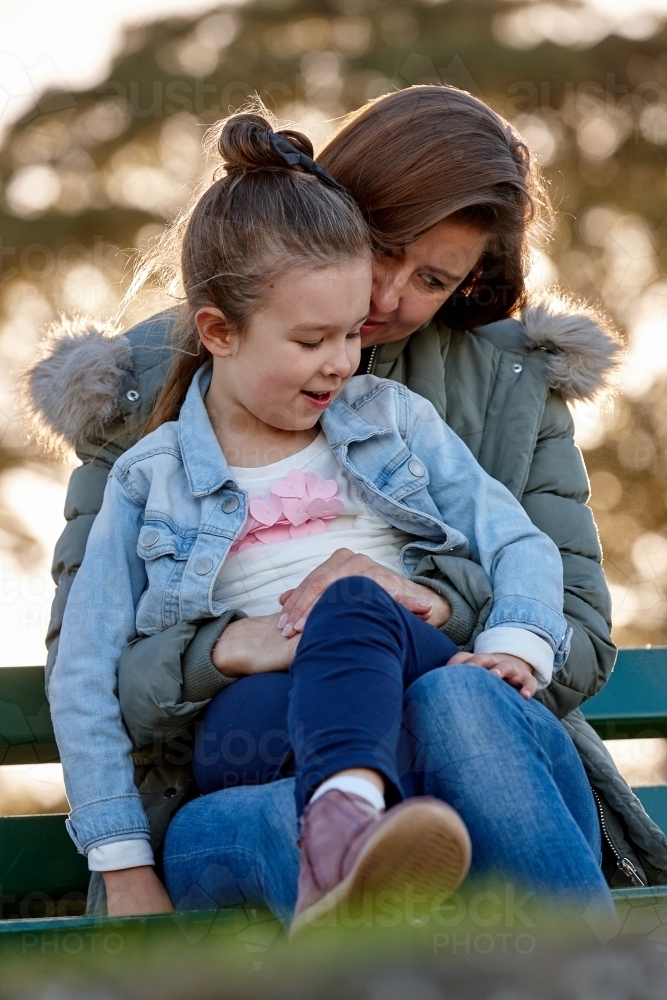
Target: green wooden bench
39, 865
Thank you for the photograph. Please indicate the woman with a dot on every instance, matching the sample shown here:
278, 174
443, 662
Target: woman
439, 176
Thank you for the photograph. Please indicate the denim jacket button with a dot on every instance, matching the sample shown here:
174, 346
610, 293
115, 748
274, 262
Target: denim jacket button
516, 368
230, 504
150, 538
416, 468
203, 566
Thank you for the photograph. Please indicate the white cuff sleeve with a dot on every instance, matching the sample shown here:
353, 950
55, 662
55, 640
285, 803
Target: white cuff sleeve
520, 642
120, 854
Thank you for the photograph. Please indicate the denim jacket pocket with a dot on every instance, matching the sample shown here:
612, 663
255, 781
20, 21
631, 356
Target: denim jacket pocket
157, 538
165, 553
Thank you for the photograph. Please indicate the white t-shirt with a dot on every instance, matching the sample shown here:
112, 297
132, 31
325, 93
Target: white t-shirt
328, 514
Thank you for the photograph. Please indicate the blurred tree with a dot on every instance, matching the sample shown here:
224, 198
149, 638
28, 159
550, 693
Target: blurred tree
86, 176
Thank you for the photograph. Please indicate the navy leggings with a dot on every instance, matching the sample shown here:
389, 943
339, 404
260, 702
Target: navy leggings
340, 706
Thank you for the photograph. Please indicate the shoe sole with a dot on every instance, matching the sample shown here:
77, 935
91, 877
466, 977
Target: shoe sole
426, 846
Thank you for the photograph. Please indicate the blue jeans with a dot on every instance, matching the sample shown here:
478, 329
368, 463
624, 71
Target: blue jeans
359, 653
505, 764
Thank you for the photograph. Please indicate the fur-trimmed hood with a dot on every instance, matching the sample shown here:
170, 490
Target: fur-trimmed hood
585, 351
75, 387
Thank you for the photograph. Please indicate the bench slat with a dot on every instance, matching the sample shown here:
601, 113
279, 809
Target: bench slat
634, 701
654, 800
26, 733
37, 855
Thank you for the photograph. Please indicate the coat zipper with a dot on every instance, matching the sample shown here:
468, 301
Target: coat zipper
623, 864
371, 360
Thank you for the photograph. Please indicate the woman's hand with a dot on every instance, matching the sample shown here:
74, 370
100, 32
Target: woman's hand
298, 603
509, 668
134, 892
253, 646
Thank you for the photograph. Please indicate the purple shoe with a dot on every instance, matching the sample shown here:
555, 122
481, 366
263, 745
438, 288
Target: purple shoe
349, 849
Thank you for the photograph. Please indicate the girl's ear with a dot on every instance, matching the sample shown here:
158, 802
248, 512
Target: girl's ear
215, 331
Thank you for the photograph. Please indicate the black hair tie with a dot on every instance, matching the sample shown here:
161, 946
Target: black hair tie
293, 157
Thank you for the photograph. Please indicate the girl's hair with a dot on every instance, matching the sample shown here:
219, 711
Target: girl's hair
258, 219
428, 153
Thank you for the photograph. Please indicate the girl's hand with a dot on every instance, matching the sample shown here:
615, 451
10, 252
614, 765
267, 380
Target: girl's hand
298, 603
253, 646
133, 892
509, 668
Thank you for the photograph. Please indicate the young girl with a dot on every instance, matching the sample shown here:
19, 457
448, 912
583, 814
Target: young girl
265, 458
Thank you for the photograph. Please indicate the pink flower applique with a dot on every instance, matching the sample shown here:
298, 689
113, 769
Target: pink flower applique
297, 506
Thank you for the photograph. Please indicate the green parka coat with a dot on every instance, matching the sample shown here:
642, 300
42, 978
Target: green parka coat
503, 388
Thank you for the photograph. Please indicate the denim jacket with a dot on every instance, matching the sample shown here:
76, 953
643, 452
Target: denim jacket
172, 511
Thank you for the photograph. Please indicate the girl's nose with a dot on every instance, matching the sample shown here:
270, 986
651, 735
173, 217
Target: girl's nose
339, 362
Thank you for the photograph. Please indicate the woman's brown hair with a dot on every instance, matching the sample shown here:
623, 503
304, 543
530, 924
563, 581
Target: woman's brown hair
428, 153
258, 219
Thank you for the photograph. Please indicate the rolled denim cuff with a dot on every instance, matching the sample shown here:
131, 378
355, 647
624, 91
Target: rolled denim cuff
529, 613
463, 620
104, 821
201, 679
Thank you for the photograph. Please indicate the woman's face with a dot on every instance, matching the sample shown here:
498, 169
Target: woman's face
411, 284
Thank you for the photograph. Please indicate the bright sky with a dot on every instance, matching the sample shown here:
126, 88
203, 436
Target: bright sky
623, 7
70, 43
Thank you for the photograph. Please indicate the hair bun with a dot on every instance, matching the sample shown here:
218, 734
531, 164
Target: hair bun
242, 140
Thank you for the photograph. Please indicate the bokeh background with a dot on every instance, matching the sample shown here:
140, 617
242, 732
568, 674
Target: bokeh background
102, 112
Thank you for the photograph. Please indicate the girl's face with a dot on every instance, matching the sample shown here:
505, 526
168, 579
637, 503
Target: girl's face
298, 351
411, 284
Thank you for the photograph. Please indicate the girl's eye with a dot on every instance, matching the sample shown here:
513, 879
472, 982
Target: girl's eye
354, 336
310, 346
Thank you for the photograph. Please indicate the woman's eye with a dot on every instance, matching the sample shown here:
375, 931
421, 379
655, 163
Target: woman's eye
432, 281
